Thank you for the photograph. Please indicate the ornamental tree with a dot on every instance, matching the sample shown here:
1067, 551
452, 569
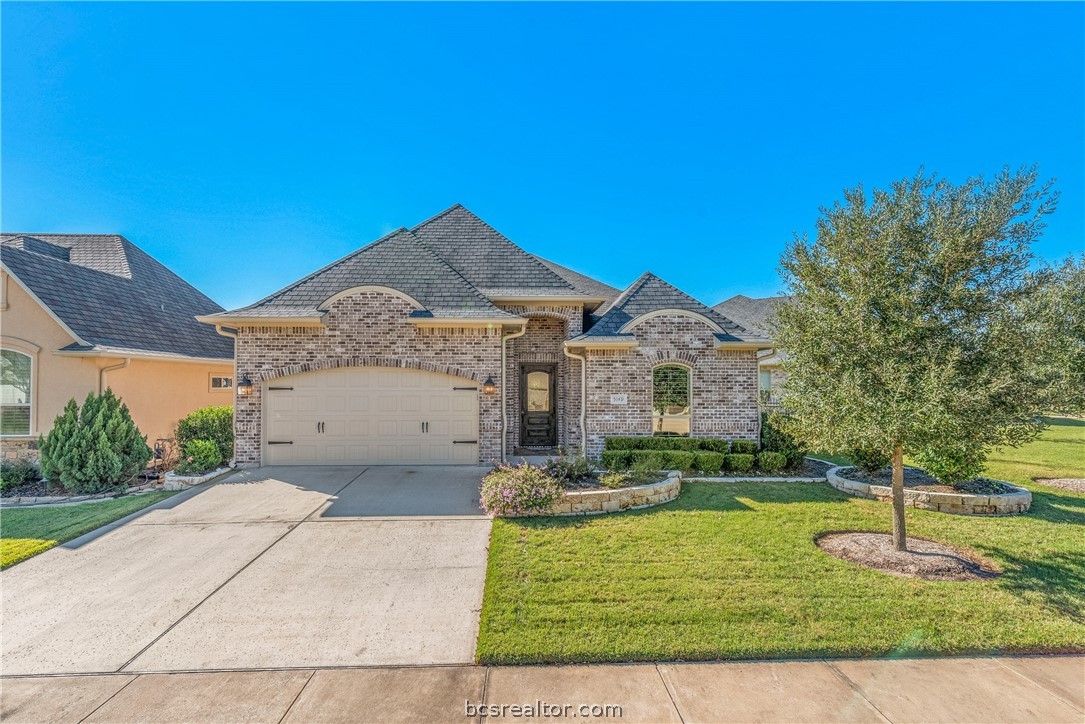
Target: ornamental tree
910, 329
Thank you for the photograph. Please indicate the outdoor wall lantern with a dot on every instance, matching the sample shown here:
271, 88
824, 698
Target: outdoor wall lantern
489, 386
244, 387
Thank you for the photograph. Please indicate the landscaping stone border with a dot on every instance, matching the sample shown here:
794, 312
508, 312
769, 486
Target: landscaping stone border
597, 502
180, 482
1013, 503
28, 501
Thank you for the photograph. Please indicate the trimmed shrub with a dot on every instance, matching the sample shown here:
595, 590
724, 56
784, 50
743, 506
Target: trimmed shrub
617, 459
14, 473
651, 459
744, 447
214, 423
689, 444
774, 439
199, 457
94, 449
771, 462
871, 461
952, 466
740, 462
710, 462
515, 491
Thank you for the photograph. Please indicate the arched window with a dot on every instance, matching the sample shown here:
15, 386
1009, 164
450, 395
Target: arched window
670, 400
15, 368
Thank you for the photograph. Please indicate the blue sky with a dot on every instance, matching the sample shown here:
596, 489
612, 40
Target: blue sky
246, 145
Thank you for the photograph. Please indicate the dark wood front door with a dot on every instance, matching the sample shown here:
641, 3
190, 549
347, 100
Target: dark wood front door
538, 405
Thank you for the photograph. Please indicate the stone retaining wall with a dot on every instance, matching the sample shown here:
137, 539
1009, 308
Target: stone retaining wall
1018, 501
595, 502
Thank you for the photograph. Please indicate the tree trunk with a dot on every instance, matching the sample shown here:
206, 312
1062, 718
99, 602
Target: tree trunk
900, 537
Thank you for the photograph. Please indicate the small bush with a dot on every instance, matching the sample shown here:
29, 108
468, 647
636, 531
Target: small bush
740, 462
744, 447
951, 466
614, 480
199, 457
871, 461
569, 469
774, 439
94, 449
771, 462
521, 490
710, 463
214, 423
14, 473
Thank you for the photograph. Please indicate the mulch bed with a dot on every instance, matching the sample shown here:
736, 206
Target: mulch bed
918, 479
36, 489
924, 559
1074, 485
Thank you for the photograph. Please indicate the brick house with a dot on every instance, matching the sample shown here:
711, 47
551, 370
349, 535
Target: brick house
447, 343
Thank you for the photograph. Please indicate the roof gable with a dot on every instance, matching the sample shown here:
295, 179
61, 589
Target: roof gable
397, 261
651, 294
112, 294
488, 260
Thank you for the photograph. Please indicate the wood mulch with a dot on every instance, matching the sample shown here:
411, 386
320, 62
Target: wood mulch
924, 559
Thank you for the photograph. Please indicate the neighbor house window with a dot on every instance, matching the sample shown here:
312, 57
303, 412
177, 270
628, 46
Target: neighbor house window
766, 380
221, 382
15, 389
670, 400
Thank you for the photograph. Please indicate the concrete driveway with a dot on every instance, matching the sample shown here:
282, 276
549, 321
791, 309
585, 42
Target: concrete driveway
273, 568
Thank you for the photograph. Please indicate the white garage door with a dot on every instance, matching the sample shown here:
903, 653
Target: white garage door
371, 415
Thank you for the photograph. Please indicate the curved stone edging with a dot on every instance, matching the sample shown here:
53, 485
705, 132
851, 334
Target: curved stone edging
174, 481
597, 502
1013, 503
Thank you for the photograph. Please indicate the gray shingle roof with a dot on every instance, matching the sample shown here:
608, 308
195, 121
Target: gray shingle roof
492, 263
114, 295
752, 313
650, 294
582, 282
398, 261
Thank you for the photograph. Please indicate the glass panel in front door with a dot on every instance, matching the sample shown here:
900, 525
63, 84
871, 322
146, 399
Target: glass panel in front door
538, 392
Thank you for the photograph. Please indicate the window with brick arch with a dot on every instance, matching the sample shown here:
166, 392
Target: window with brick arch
671, 395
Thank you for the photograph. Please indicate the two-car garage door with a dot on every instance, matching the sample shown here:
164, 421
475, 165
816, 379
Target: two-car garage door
371, 415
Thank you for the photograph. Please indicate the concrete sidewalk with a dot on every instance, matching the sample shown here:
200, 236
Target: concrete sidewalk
1005, 689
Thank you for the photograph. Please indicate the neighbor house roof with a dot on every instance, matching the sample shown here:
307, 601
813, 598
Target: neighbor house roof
755, 313
453, 265
112, 296
650, 294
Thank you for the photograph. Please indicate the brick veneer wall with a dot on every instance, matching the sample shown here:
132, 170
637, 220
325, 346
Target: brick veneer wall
549, 325
724, 382
365, 329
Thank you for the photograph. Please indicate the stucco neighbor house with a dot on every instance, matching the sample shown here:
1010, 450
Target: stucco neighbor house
447, 343
756, 313
81, 312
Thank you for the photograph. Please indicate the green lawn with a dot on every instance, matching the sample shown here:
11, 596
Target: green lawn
730, 570
26, 532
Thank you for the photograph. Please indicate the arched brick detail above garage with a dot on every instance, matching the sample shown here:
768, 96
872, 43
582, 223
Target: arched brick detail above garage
340, 362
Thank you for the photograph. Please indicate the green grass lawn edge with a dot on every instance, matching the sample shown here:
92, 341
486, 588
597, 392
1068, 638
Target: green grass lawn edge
27, 531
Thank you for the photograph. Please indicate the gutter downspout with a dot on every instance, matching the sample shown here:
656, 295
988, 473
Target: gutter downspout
232, 334
504, 399
583, 399
101, 373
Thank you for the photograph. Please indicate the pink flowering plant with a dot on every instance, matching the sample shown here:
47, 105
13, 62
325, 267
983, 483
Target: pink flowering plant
519, 491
